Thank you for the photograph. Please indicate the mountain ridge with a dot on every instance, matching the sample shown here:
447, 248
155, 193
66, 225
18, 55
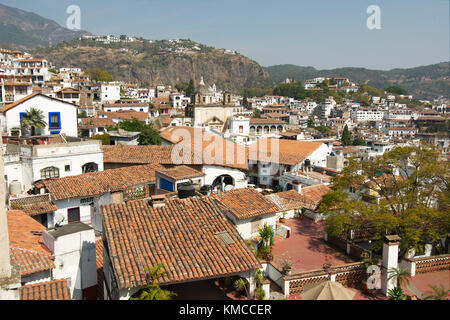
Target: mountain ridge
28, 30
424, 82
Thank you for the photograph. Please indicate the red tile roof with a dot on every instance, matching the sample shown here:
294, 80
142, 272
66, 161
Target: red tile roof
94, 183
125, 115
208, 148
245, 203
200, 150
137, 154
33, 205
309, 198
26, 247
96, 122
16, 103
49, 290
181, 172
289, 152
182, 235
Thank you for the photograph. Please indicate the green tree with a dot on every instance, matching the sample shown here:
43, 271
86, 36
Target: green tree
265, 232
149, 136
82, 114
346, 138
105, 138
359, 142
190, 90
414, 205
33, 118
256, 113
182, 87
396, 90
241, 285
402, 277
97, 74
153, 291
132, 125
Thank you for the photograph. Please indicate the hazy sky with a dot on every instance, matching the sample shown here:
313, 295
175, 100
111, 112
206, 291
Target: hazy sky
322, 34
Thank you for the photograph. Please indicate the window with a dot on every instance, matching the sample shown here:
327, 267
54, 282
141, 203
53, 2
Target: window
241, 129
67, 168
90, 167
54, 120
73, 215
49, 172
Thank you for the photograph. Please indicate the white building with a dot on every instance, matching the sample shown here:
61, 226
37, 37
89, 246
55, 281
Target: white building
60, 116
109, 92
362, 115
35, 162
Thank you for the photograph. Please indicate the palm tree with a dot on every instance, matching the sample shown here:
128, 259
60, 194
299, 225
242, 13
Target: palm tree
437, 293
402, 276
33, 119
241, 284
153, 291
265, 232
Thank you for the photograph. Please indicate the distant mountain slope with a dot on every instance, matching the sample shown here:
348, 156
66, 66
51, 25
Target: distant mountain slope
424, 82
28, 30
160, 62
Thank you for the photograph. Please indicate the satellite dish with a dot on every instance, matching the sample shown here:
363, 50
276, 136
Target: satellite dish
59, 219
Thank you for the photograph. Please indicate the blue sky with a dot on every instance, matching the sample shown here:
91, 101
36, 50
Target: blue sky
322, 34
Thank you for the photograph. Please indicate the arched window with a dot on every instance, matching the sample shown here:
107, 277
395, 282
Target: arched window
49, 172
90, 167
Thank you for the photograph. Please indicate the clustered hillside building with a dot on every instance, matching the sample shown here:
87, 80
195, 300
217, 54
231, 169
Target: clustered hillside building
86, 218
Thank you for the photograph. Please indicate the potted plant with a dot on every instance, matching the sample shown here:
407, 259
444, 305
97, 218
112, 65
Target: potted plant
286, 266
283, 218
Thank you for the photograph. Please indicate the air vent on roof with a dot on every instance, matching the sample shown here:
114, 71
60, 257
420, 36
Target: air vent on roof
224, 237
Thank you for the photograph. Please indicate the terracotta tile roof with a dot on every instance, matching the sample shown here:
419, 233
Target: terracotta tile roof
16, 103
309, 198
33, 205
125, 115
26, 247
181, 172
137, 154
277, 115
94, 183
96, 122
254, 121
245, 203
201, 152
283, 151
31, 261
49, 290
181, 235
208, 148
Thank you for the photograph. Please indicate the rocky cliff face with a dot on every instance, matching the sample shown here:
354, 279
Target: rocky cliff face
160, 62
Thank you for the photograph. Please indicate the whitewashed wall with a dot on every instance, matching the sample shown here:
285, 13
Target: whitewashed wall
67, 111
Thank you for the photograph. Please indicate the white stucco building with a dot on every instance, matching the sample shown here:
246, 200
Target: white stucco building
60, 116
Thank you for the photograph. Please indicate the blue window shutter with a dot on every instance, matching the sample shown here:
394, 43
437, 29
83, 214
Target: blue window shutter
165, 184
50, 119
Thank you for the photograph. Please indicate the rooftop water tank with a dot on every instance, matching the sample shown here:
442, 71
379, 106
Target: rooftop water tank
186, 190
15, 187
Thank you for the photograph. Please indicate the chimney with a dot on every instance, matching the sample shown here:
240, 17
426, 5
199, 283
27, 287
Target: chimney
297, 186
9, 275
390, 261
